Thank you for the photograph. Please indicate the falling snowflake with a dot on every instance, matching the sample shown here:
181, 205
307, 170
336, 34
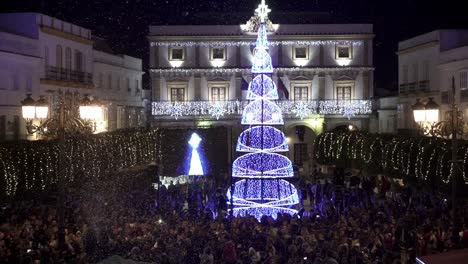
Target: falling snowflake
176, 110
217, 110
349, 111
301, 110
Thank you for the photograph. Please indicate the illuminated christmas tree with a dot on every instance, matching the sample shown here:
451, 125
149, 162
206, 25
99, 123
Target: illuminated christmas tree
261, 189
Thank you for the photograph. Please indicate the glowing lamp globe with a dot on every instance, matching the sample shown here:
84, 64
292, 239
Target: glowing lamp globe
29, 107
419, 112
432, 111
42, 108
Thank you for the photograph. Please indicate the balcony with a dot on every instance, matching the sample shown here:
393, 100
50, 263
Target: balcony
414, 87
290, 109
55, 75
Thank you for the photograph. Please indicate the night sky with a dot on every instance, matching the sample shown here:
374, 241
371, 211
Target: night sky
124, 23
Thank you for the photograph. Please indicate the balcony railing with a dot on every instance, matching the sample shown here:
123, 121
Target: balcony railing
61, 74
414, 87
291, 109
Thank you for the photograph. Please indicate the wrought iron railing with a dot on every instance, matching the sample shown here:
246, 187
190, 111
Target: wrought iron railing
295, 109
61, 74
414, 87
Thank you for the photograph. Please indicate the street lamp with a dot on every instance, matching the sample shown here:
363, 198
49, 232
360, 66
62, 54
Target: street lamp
452, 127
60, 124
36, 115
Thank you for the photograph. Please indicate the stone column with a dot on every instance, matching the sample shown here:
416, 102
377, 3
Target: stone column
366, 94
156, 86
238, 56
280, 55
197, 56
322, 57
238, 92
321, 85
154, 53
366, 53
197, 86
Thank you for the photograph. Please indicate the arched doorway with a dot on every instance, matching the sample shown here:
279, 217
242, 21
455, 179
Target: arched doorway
301, 140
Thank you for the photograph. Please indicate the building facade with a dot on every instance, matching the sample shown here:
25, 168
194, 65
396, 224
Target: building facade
427, 64
65, 62
324, 73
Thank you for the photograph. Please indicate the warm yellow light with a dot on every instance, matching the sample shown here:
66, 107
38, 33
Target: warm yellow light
301, 62
432, 115
87, 112
350, 127
419, 115
29, 112
218, 63
42, 112
176, 63
343, 62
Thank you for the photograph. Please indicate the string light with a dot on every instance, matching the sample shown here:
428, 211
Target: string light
268, 139
252, 43
190, 71
287, 107
33, 165
263, 192
424, 158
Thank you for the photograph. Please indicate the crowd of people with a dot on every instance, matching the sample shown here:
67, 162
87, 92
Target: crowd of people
359, 220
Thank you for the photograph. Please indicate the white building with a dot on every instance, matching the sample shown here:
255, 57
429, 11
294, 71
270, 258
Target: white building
65, 61
198, 74
427, 63
19, 74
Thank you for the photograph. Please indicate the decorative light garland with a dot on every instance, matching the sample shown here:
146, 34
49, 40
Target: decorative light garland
263, 193
300, 109
424, 158
253, 43
190, 71
33, 166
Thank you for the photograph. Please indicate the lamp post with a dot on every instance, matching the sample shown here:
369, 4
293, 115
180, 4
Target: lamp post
60, 124
427, 117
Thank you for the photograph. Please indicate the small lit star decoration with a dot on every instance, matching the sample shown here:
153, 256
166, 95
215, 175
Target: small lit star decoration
217, 110
176, 110
262, 11
301, 110
349, 111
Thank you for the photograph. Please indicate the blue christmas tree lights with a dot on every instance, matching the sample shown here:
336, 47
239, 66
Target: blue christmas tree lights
261, 190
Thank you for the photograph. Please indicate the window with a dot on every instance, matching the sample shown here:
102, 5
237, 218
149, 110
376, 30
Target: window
301, 93
176, 53
46, 56
404, 74
343, 92
415, 72
218, 53
343, 52
127, 84
300, 153
464, 80
58, 56
68, 60
425, 71
109, 81
78, 61
301, 52
218, 93
137, 87
101, 81
177, 94
119, 79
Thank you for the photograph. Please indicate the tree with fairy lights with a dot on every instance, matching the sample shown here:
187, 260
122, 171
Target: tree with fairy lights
262, 189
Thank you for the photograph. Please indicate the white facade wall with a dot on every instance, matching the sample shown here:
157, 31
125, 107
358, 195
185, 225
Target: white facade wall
19, 74
439, 56
30, 52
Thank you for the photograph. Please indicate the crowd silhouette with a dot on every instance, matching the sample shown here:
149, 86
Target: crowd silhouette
344, 219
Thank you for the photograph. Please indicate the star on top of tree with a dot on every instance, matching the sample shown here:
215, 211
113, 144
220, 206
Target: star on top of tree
262, 11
